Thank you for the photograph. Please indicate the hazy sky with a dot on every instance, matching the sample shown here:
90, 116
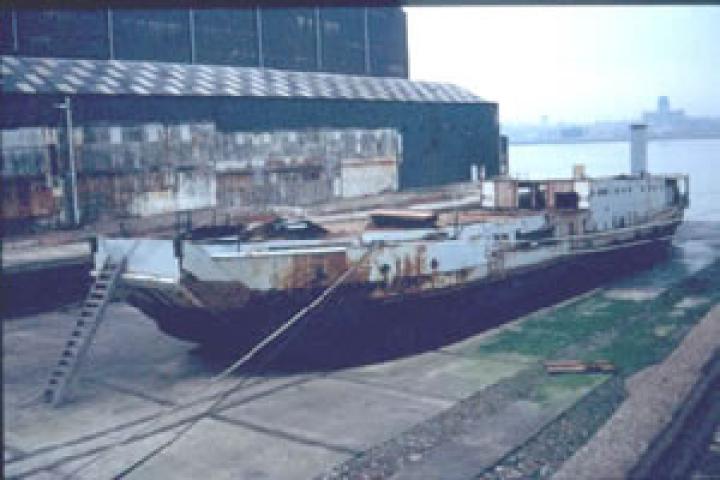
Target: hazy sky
572, 63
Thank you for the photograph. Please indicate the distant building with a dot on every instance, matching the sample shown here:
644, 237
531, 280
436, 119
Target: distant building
663, 119
161, 99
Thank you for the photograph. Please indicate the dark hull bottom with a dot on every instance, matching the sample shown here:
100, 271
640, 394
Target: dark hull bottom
347, 330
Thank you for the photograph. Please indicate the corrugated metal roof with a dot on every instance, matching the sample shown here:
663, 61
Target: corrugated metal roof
114, 77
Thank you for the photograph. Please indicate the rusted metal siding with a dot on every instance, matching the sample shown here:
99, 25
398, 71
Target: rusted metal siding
152, 168
25, 198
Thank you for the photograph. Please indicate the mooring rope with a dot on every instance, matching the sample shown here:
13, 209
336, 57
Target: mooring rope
222, 375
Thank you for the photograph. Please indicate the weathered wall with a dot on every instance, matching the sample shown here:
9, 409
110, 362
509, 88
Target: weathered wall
359, 176
152, 168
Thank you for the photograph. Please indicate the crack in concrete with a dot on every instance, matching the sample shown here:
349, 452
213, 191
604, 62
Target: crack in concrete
285, 435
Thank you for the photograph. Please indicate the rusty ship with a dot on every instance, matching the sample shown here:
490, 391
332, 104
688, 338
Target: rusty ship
399, 255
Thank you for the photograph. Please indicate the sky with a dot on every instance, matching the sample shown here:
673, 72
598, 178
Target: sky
572, 63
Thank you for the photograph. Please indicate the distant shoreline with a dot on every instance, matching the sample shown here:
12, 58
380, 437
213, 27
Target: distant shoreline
571, 141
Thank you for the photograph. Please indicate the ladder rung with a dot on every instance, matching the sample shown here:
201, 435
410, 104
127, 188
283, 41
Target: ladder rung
68, 353
76, 333
53, 381
58, 373
71, 343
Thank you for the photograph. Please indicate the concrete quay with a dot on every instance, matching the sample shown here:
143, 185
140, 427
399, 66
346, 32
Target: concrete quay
482, 407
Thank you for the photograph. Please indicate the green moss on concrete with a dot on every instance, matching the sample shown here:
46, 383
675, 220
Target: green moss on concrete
631, 334
564, 388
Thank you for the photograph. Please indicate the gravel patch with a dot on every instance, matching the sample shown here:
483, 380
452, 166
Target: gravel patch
542, 455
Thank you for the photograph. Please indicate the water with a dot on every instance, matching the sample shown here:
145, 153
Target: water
698, 158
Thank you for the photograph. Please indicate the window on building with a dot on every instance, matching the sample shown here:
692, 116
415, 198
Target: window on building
63, 33
289, 38
343, 40
387, 41
96, 134
226, 37
132, 134
161, 35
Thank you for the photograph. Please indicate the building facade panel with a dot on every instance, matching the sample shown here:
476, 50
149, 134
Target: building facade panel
343, 40
387, 41
6, 31
226, 37
152, 35
63, 33
289, 39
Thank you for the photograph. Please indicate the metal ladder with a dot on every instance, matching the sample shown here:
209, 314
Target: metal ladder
88, 321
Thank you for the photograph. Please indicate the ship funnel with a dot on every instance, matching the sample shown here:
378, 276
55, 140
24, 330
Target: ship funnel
578, 171
638, 149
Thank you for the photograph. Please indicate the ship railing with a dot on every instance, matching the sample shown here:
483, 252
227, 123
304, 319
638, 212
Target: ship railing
574, 239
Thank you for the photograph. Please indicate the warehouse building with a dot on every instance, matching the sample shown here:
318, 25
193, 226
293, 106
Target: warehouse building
184, 109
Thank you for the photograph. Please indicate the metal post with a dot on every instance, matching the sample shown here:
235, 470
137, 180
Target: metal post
67, 106
111, 37
259, 31
191, 19
366, 41
16, 44
318, 39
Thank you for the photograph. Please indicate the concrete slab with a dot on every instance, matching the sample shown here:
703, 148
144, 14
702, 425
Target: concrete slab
218, 450
94, 466
337, 413
436, 374
97, 409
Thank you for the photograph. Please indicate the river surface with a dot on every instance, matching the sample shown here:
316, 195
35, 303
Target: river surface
698, 158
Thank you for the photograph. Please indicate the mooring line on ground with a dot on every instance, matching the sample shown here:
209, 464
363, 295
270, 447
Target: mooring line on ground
150, 418
225, 373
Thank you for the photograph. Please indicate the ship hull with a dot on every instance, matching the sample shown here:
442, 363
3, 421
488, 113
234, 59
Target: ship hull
353, 326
